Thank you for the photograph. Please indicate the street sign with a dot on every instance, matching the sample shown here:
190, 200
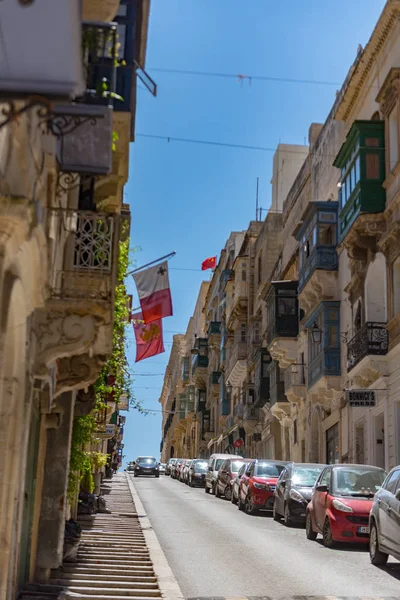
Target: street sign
361, 398
238, 443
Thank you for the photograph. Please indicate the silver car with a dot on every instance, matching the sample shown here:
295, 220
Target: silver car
384, 520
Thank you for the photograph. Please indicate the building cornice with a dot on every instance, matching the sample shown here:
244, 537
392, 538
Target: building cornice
365, 61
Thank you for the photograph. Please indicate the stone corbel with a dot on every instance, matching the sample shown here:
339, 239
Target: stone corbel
78, 372
59, 334
85, 402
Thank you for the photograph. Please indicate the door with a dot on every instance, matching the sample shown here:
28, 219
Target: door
393, 516
280, 491
320, 499
245, 482
29, 498
332, 445
384, 502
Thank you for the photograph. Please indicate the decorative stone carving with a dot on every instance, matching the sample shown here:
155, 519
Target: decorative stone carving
59, 334
369, 370
284, 351
85, 402
322, 286
76, 372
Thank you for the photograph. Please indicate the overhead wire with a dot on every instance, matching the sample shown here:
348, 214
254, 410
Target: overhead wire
242, 77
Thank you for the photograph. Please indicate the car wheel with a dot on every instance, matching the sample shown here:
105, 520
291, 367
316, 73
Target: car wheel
157, 476
135, 474
233, 499
249, 506
275, 514
240, 503
376, 556
310, 533
217, 492
328, 540
207, 489
287, 518
228, 492
212, 490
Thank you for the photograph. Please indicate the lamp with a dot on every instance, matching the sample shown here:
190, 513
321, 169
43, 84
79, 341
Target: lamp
229, 388
316, 333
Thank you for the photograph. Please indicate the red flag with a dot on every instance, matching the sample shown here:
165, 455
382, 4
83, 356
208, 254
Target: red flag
209, 263
149, 337
154, 293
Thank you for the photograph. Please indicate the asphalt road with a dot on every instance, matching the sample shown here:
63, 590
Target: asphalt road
215, 550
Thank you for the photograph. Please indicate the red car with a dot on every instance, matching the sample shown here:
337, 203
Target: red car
341, 502
257, 485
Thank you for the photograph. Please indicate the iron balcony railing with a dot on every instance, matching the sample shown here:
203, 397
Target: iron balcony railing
371, 340
295, 375
87, 266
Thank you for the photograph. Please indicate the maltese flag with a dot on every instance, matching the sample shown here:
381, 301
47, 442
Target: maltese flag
154, 292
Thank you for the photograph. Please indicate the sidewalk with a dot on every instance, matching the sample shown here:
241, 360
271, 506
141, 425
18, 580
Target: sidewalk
115, 557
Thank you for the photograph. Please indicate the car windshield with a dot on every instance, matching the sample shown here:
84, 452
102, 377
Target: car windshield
306, 476
144, 460
236, 465
268, 470
357, 481
200, 467
218, 464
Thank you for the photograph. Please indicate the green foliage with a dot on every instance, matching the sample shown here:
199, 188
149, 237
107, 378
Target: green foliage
80, 464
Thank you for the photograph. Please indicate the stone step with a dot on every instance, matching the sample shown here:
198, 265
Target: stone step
93, 596
118, 584
99, 570
134, 578
107, 562
118, 592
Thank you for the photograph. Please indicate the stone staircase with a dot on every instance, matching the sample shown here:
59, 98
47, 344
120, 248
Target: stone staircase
113, 560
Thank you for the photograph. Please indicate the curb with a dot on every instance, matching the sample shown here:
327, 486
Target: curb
169, 586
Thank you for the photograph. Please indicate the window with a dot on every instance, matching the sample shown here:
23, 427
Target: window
327, 234
259, 269
244, 275
326, 478
295, 431
243, 333
392, 482
393, 138
287, 306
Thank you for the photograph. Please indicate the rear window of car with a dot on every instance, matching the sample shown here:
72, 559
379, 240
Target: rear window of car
236, 465
144, 460
218, 464
306, 476
200, 467
268, 470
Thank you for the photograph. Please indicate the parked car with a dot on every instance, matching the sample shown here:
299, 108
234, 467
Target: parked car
226, 475
293, 491
214, 465
161, 468
146, 465
175, 468
257, 485
236, 483
131, 466
169, 465
179, 467
185, 471
197, 472
384, 520
341, 502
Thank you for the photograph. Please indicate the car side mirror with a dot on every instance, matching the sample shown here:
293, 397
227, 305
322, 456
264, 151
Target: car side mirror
398, 495
321, 488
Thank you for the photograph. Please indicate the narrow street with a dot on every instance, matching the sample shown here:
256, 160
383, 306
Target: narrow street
216, 550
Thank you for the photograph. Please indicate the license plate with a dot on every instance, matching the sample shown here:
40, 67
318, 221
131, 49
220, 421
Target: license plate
363, 530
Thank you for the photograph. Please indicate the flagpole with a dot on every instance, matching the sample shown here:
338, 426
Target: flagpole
153, 262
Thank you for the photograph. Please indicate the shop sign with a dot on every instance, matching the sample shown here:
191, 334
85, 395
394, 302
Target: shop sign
361, 398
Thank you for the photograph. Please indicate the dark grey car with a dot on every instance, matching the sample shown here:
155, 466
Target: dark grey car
384, 520
293, 491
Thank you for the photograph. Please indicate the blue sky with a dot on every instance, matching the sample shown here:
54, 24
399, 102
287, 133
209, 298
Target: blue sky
188, 197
